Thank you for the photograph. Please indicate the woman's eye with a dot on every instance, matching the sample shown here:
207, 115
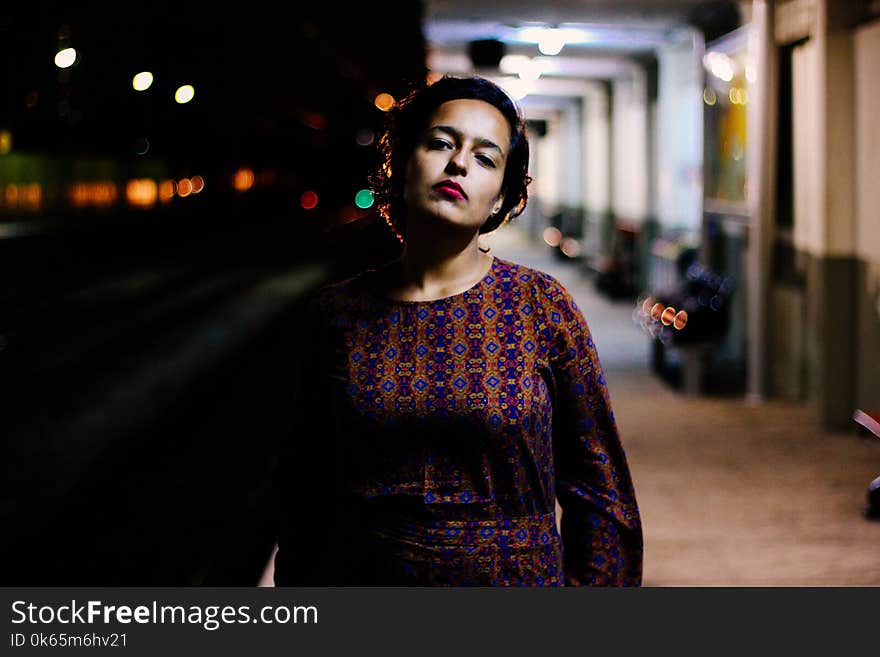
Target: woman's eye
486, 160
439, 143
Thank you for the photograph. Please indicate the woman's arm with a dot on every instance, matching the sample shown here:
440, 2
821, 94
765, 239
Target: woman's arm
601, 528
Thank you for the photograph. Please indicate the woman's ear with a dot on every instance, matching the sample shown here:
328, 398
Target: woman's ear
498, 203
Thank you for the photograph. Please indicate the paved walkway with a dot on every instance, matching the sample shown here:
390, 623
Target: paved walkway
730, 494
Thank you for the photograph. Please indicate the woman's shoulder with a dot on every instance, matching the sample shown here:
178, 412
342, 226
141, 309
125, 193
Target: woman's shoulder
333, 291
546, 287
326, 299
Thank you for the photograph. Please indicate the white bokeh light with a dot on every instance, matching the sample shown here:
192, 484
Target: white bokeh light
142, 81
65, 58
184, 94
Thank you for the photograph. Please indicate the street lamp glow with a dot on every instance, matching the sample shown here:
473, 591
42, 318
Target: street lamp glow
184, 94
65, 58
142, 81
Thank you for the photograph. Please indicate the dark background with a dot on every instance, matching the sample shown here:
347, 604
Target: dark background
145, 355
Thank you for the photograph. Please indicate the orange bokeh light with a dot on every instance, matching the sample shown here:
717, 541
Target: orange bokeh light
243, 180
384, 101
97, 194
184, 187
28, 196
166, 191
142, 192
552, 236
680, 320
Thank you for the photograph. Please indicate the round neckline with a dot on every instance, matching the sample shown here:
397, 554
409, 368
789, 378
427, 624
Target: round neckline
415, 302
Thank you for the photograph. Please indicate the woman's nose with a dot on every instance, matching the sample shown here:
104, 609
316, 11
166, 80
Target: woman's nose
457, 163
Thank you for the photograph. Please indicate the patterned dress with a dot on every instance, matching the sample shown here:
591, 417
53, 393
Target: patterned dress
434, 437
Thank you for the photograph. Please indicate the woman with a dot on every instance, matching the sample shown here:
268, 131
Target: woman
450, 397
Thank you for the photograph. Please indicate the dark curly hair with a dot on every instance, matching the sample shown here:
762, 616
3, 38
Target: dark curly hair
409, 117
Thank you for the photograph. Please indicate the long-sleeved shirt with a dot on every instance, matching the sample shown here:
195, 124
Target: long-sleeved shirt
433, 439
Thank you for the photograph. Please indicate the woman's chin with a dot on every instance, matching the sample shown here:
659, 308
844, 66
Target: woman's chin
444, 218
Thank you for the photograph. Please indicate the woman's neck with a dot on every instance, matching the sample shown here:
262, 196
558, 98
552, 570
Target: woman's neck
419, 275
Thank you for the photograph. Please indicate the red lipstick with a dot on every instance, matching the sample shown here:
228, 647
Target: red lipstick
450, 188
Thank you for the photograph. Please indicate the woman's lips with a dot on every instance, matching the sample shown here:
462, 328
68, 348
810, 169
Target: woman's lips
449, 190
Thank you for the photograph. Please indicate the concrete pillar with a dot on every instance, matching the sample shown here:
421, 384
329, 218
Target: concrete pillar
629, 134
597, 139
761, 194
866, 42
833, 267
596, 135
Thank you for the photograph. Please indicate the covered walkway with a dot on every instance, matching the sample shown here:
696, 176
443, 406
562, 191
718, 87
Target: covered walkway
730, 494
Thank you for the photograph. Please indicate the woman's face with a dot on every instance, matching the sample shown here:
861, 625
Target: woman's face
457, 166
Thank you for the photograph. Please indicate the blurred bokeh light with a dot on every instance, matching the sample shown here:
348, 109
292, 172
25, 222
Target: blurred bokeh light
184, 94
384, 101
142, 81
65, 58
